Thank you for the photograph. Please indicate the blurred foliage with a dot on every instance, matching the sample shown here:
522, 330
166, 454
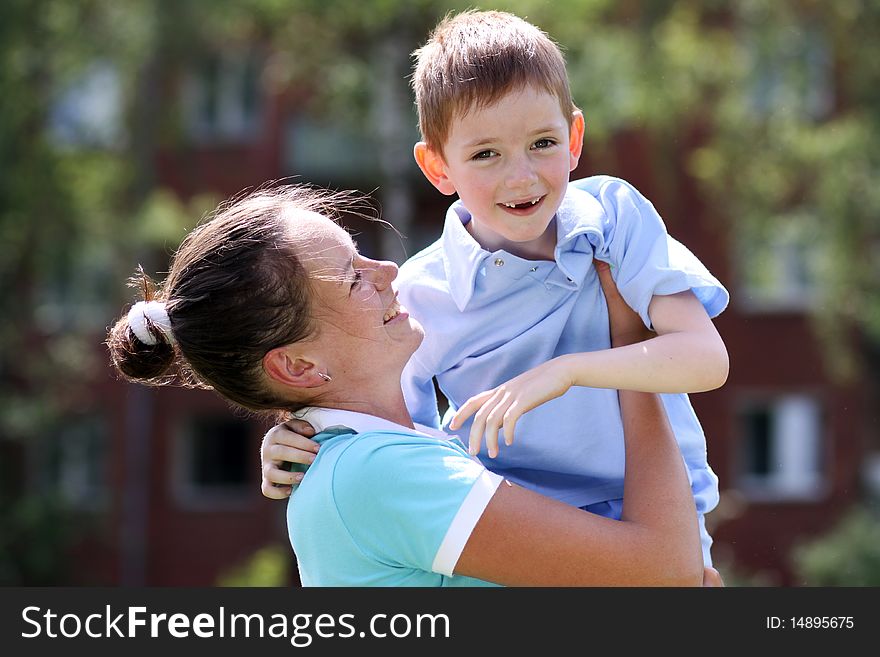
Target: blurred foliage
848, 555
268, 566
34, 534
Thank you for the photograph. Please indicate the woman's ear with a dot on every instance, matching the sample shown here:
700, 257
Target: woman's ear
576, 138
432, 165
283, 366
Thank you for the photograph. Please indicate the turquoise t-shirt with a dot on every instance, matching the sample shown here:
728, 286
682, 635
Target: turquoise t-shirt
386, 507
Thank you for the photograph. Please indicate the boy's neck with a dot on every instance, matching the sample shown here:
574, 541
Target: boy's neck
542, 248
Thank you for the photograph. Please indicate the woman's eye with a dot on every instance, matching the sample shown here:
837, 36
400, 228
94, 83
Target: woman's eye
356, 280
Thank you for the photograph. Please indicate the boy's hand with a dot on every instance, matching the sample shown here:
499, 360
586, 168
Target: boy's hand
285, 443
501, 407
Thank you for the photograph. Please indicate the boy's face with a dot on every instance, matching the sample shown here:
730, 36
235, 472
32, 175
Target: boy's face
509, 163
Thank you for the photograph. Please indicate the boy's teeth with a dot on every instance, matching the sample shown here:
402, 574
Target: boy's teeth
516, 205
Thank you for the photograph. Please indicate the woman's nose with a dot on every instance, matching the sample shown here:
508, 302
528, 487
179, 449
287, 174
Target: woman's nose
384, 271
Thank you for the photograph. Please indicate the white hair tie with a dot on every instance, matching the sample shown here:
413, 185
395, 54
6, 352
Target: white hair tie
155, 312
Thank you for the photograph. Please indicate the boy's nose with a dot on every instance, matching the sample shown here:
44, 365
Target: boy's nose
521, 175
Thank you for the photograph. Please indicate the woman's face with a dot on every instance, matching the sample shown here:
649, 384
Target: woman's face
362, 329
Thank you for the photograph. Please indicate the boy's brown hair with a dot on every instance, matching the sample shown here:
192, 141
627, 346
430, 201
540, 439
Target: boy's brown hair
474, 58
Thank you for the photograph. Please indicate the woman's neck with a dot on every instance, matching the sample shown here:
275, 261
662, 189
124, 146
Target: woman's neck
391, 407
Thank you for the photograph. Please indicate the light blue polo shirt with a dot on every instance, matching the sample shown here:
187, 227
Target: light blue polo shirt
491, 316
384, 505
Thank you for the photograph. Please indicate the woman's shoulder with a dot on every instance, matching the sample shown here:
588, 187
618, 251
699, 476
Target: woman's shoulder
381, 444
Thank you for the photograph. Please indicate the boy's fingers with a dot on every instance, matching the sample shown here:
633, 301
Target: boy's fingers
492, 439
301, 427
275, 492
510, 418
293, 455
478, 428
493, 425
467, 409
301, 443
475, 437
282, 477
282, 435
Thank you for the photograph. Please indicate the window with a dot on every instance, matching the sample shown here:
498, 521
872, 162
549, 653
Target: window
88, 113
328, 151
78, 461
779, 268
221, 98
214, 462
333, 151
781, 448
76, 290
791, 70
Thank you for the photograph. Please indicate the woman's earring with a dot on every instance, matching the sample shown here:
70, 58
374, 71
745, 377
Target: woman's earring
326, 378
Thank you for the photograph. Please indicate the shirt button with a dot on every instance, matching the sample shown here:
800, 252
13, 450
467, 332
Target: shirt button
499, 262
533, 269
569, 280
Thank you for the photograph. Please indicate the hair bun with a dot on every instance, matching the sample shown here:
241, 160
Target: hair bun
145, 314
142, 345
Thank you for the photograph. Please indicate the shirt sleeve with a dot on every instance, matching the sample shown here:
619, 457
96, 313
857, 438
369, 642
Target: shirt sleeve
419, 393
646, 260
411, 502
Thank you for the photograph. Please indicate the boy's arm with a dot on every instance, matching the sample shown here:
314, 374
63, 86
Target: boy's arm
687, 355
285, 443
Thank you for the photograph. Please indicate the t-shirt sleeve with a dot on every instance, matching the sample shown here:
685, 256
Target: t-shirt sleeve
411, 502
419, 393
646, 260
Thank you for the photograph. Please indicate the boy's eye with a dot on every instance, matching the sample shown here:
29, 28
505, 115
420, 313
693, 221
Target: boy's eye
483, 155
546, 142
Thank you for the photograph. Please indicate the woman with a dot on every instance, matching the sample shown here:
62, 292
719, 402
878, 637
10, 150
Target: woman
270, 304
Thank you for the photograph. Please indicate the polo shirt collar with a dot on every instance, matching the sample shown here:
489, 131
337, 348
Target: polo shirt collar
578, 214
323, 419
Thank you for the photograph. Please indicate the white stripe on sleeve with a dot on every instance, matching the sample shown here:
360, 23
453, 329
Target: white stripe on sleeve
464, 522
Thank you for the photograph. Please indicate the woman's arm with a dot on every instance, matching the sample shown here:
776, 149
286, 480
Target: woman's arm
524, 538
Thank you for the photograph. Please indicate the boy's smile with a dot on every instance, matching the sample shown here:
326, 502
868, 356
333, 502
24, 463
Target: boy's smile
509, 163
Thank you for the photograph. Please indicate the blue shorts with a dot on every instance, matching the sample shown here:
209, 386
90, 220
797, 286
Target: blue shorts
612, 509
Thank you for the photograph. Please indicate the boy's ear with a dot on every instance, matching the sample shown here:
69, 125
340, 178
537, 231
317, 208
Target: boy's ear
284, 367
576, 138
432, 165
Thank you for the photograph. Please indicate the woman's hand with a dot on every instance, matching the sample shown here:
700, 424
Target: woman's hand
711, 577
285, 443
625, 325
501, 407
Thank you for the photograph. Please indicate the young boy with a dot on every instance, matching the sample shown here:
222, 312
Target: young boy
509, 296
